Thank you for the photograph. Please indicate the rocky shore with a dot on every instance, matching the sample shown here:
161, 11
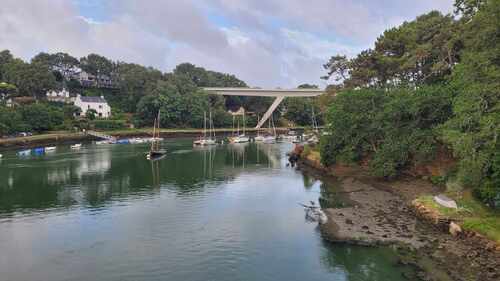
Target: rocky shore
376, 212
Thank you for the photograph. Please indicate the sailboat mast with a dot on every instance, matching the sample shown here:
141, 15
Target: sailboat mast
212, 132
244, 124
158, 131
153, 140
204, 124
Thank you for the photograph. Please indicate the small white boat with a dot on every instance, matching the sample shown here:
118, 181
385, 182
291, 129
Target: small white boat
76, 146
204, 140
1, 155
241, 139
50, 148
26, 152
259, 138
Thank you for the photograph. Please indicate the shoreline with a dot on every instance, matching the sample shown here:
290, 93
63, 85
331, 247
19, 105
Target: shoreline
59, 138
385, 213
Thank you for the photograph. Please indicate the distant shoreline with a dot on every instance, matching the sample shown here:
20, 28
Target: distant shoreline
56, 138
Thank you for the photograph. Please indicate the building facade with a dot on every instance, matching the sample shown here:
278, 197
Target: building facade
99, 104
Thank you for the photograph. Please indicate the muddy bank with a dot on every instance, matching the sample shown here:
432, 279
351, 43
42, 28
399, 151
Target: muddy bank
376, 212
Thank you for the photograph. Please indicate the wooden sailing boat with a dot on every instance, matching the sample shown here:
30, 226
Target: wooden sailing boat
155, 152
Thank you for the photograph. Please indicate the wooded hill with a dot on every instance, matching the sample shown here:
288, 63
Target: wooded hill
428, 83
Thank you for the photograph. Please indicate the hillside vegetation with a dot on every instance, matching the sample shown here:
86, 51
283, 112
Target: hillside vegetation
431, 82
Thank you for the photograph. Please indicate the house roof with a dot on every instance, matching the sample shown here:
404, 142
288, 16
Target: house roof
93, 99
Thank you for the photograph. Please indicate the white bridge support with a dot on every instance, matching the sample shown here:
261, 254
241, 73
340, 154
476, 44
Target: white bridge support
280, 95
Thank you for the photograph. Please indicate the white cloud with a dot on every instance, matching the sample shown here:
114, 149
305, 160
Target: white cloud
266, 43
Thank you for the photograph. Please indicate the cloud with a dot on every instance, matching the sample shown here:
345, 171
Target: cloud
266, 43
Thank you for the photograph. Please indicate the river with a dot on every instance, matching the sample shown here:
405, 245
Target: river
226, 213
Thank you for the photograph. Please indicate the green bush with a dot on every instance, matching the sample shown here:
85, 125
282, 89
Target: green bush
394, 128
109, 124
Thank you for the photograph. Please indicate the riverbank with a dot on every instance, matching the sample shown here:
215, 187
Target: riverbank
379, 212
57, 138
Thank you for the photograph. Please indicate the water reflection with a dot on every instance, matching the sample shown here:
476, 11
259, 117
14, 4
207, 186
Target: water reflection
97, 175
218, 213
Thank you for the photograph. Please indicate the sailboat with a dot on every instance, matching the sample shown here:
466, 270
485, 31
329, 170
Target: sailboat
241, 138
155, 152
313, 138
270, 138
211, 138
259, 137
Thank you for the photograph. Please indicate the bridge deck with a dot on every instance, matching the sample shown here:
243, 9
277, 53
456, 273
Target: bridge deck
265, 92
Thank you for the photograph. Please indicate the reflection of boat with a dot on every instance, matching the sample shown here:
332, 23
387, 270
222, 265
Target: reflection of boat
103, 142
211, 138
269, 139
76, 146
155, 152
315, 214
26, 152
50, 148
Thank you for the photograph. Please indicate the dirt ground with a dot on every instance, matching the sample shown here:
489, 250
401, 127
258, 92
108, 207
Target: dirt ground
381, 213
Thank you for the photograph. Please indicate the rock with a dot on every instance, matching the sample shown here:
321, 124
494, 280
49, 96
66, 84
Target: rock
455, 229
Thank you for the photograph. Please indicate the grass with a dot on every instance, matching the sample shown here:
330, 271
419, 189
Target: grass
472, 213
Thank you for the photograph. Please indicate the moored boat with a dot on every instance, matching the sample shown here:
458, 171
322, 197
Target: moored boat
76, 146
156, 152
204, 140
39, 150
25, 152
50, 148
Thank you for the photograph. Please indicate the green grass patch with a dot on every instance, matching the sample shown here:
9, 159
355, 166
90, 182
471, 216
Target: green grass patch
473, 214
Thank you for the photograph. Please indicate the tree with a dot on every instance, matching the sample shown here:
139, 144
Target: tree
474, 130
391, 128
97, 65
33, 79
417, 52
60, 62
134, 82
337, 67
5, 58
7, 90
91, 114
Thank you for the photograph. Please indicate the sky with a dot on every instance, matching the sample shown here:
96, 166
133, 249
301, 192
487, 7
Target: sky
267, 43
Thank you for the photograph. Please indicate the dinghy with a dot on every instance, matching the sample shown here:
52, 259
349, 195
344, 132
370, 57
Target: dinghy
23, 153
76, 146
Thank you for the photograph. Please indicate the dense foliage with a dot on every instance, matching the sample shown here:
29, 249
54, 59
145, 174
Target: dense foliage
429, 82
136, 89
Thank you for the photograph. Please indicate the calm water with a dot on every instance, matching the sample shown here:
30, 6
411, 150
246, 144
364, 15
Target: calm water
227, 213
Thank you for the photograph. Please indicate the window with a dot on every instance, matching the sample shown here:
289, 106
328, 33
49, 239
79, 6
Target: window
88, 106
100, 106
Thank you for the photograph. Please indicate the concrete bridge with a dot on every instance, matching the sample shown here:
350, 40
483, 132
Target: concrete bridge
280, 95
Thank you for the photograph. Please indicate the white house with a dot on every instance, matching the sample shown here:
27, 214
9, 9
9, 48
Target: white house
59, 96
99, 104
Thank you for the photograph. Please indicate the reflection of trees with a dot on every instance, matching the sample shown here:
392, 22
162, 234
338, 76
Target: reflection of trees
99, 175
363, 263
308, 181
